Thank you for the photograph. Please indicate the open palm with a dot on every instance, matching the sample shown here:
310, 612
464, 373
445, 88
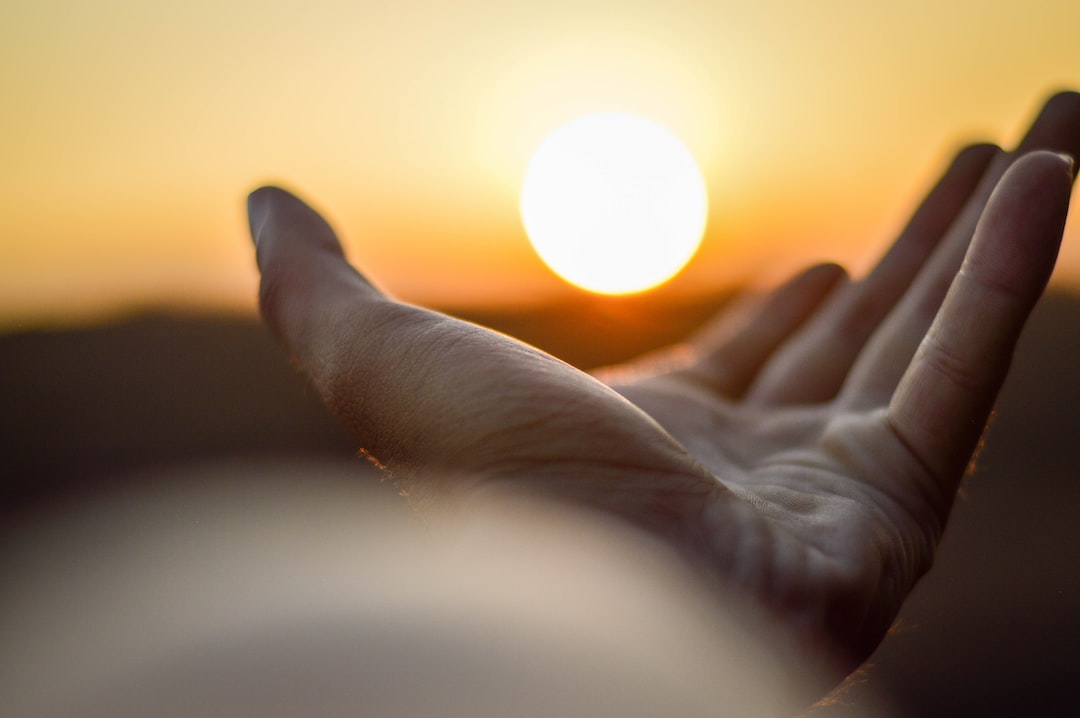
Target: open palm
804, 449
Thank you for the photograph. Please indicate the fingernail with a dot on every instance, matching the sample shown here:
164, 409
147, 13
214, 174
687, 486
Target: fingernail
258, 208
1069, 160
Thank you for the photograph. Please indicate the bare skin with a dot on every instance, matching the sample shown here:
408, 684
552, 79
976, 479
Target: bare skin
803, 450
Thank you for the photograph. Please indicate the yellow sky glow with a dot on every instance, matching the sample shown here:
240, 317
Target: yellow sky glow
130, 131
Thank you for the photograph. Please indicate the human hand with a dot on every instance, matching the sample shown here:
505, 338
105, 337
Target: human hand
805, 450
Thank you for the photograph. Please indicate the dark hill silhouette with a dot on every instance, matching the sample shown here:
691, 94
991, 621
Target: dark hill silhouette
992, 631
160, 388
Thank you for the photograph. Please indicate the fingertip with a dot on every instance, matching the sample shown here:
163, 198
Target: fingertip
261, 194
302, 264
833, 269
264, 202
259, 202
259, 199
1043, 166
976, 156
1066, 102
1057, 125
1070, 162
280, 221
826, 275
1018, 237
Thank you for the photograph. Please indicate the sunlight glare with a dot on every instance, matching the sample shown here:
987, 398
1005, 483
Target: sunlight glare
614, 203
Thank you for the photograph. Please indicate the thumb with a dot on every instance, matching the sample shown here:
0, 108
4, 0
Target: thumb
423, 390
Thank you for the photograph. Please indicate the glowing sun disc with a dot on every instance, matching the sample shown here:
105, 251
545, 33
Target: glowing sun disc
614, 203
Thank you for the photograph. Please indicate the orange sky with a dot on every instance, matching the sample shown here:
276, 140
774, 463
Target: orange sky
130, 131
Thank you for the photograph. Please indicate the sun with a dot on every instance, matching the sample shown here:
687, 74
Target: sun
614, 203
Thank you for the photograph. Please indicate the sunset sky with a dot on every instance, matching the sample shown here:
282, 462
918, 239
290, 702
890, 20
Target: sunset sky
130, 131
